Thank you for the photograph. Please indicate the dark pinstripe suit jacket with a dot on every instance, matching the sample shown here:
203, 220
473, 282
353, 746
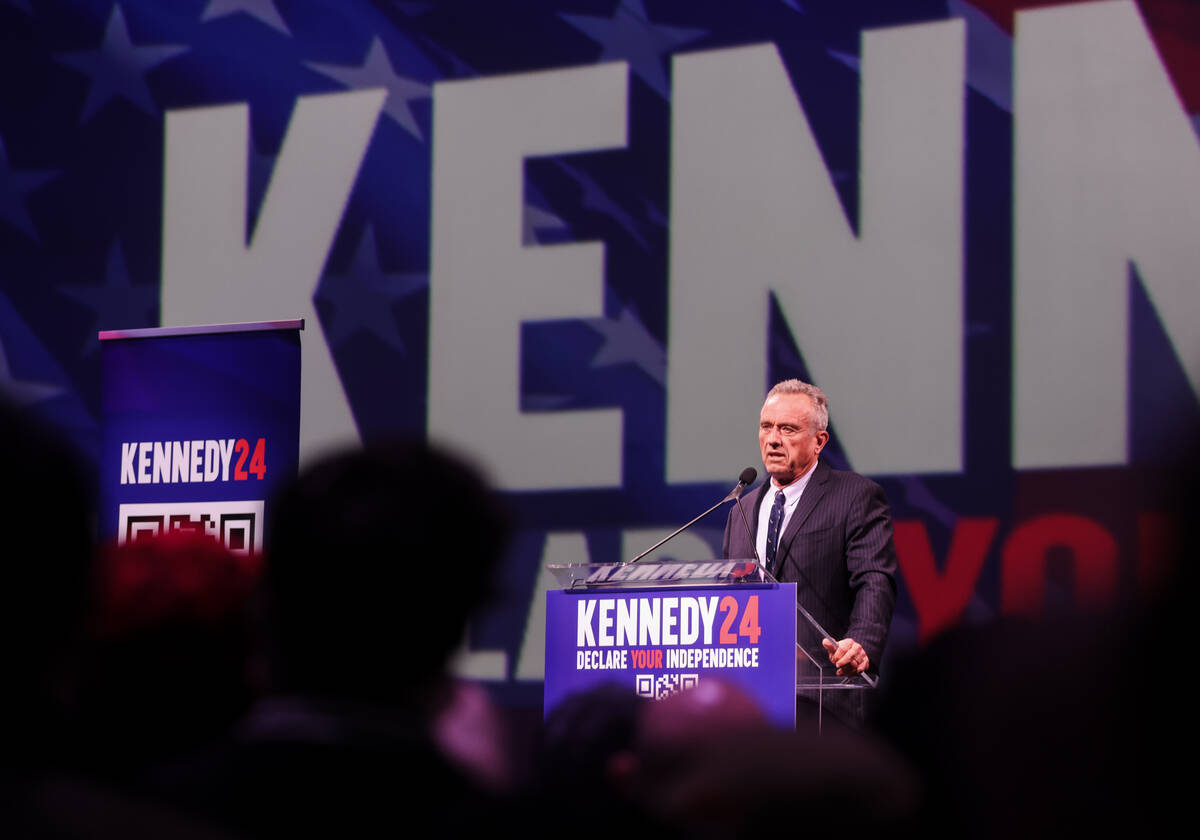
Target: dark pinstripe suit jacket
838, 550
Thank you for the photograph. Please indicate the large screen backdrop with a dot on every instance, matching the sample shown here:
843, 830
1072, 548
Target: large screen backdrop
577, 241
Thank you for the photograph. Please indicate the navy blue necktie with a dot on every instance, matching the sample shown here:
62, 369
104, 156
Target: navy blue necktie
773, 530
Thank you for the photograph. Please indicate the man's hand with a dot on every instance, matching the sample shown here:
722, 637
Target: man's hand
848, 655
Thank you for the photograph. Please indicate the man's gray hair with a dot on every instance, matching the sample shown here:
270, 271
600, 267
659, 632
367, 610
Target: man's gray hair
820, 412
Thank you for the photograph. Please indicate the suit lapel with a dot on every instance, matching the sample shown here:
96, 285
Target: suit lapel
809, 499
750, 506
758, 500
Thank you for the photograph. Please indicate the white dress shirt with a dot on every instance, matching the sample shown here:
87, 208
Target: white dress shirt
791, 498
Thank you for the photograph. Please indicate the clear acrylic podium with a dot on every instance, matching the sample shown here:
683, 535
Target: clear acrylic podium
815, 678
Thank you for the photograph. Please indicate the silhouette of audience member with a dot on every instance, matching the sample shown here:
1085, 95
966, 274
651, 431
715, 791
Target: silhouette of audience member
709, 763
165, 671
47, 526
47, 521
47, 554
1065, 722
586, 742
47, 544
1014, 727
706, 762
376, 559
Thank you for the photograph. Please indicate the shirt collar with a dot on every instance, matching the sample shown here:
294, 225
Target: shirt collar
792, 493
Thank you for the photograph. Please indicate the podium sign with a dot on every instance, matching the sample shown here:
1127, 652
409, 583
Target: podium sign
198, 424
660, 640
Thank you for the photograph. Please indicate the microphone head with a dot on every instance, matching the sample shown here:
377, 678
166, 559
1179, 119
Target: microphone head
748, 475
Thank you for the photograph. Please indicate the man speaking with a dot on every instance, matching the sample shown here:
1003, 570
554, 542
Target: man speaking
826, 530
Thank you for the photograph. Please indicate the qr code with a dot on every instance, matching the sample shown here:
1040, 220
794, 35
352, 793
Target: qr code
658, 686
238, 525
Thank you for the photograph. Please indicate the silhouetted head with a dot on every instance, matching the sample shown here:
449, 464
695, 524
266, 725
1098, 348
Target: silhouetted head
708, 763
376, 558
166, 667
584, 732
47, 547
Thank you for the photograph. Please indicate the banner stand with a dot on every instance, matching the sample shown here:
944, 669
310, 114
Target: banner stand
198, 425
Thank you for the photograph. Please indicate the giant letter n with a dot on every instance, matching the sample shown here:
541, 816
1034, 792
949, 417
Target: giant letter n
878, 316
1107, 173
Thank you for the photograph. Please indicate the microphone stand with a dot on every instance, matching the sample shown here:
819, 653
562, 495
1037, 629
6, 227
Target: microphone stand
684, 528
753, 542
748, 475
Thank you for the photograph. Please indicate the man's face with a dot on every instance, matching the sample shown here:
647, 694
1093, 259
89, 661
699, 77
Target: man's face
786, 438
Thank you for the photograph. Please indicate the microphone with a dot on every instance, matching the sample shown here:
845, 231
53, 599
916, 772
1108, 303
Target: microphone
744, 480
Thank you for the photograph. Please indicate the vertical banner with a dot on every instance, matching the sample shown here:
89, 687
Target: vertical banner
660, 641
198, 425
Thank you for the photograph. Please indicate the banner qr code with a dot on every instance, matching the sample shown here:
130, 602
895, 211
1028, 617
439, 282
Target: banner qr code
238, 525
658, 686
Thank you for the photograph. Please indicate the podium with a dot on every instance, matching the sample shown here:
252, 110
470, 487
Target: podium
664, 627
817, 682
